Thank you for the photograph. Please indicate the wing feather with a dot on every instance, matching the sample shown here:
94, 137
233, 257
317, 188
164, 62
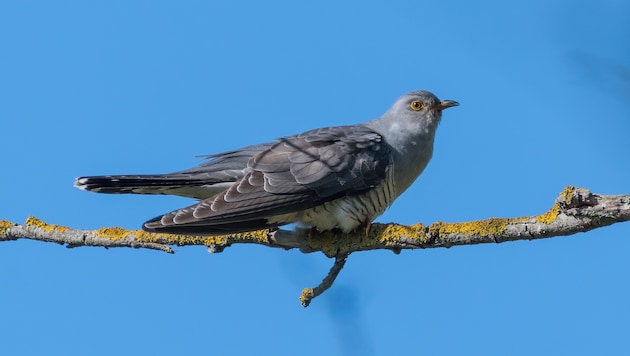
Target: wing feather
294, 174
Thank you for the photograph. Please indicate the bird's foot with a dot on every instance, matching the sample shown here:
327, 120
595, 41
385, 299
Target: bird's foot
365, 226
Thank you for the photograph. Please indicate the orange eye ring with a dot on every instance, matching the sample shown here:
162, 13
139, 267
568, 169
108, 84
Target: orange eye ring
416, 105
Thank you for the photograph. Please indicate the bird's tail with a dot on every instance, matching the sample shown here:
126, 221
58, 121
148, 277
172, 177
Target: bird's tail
173, 184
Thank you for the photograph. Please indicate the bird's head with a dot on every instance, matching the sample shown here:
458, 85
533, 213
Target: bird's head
423, 106
417, 112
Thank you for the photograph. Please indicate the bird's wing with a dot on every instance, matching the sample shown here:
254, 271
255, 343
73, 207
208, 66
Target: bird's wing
294, 174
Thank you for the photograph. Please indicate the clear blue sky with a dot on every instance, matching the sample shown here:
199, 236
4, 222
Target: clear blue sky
111, 87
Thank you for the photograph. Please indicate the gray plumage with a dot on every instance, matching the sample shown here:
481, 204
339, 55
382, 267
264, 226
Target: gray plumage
330, 178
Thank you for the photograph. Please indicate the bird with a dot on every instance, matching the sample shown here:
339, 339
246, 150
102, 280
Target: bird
336, 178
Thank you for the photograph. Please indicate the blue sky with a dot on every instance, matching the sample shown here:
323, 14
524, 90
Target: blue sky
112, 87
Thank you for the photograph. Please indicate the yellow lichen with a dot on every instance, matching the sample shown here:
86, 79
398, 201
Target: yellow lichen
567, 194
307, 296
333, 244
566, 199
113, 233
180, 240
33, 221
61, 228
4, 225
492, 226
550, 216
570, 192
259, 236
394, 232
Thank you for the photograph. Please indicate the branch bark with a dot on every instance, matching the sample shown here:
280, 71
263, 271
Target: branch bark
575, 210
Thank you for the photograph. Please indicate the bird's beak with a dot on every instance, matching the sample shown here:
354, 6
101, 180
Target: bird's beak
446, 104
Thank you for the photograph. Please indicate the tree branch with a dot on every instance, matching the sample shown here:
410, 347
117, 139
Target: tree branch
575, 210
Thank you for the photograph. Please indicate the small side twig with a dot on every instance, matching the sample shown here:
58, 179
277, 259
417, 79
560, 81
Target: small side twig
308, 294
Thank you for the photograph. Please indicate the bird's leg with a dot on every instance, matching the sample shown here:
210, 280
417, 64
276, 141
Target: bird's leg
366, 226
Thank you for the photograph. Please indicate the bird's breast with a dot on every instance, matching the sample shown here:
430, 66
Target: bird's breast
350, 212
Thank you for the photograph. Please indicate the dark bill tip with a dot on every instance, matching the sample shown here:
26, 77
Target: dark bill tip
446, 104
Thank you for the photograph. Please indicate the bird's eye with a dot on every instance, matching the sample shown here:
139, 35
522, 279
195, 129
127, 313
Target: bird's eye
416, 105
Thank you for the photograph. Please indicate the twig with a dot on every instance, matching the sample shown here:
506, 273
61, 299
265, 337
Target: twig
308, 294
